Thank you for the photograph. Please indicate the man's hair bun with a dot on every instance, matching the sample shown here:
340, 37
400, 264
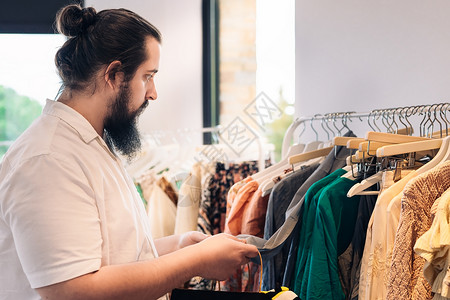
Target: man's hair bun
73, 20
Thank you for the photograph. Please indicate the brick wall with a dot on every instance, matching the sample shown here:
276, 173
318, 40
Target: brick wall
237, 37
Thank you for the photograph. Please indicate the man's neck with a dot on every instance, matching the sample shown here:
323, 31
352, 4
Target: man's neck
92, 107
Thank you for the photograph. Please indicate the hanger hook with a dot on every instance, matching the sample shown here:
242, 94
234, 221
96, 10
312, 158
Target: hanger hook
438, 106
420, 112
368, 121
323, 127
431, 114
395, 114
429, 127
345, 119
327, 120
303, 131
385, 120
390, 114
400, 118
411, 110
444, 117
376, 116
334, 123
312, 127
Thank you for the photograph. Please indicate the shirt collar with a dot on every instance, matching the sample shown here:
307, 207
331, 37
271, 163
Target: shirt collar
71, 117
75, 120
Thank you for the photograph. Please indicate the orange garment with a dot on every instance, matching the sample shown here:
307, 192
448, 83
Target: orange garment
235, 219
247, 215
232, 193
254, 216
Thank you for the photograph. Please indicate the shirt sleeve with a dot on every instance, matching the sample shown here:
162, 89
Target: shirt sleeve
51, 210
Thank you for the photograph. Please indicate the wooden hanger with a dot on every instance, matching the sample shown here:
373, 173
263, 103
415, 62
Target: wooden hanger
359, 188
370, 148
343, 140
309, 155
354, 143
408, 147
405, 131
392, 138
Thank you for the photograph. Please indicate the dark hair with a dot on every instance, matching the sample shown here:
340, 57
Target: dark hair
97, 39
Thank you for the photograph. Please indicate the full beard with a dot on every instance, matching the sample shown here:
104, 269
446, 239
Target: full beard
121, 131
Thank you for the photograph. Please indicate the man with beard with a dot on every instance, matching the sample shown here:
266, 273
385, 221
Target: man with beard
72, 225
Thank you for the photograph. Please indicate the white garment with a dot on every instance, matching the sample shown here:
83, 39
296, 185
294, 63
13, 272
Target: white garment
189, 198
374, 267
161, 213
67, 206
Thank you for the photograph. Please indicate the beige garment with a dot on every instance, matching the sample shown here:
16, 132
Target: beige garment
393, 218
189, 198
372, 282
406, 279
387, 180
434, 208
434, 247
161, 213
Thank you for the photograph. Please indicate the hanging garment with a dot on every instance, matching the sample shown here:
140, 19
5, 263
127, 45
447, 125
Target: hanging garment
232, 193
434, 247
212, 212
406, 280
167, 187
235, 218
335, 160
334, 224
350, 261
189, 198
213, 207
374, 268
279, 200
246, 278
307, 223
161, 213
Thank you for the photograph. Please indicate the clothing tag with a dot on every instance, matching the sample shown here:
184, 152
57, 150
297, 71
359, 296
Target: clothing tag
397, 171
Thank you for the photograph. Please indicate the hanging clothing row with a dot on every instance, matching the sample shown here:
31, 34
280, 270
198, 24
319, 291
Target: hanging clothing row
318, 237
347, 242
352, 218
178, 199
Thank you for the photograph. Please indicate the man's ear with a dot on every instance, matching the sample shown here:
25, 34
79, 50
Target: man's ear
114, 75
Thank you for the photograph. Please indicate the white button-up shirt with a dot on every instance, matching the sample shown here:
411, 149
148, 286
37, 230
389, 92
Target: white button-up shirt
67, 206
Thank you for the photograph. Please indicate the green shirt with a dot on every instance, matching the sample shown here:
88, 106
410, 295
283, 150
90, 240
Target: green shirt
334, 222
308, 224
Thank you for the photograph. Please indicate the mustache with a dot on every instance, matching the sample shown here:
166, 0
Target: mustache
139, 111
142, 108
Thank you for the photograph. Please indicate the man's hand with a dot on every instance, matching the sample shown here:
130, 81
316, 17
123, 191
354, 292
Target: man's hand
222, 254
191, 238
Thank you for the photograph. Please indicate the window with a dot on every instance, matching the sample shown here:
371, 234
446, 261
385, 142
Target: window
275, 60
28, 76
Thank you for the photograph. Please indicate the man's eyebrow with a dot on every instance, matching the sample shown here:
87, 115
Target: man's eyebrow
153, 71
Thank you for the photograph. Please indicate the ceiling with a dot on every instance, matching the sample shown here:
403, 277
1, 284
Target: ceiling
30, 16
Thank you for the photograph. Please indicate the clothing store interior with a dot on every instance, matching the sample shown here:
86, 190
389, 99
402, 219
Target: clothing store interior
315, 130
